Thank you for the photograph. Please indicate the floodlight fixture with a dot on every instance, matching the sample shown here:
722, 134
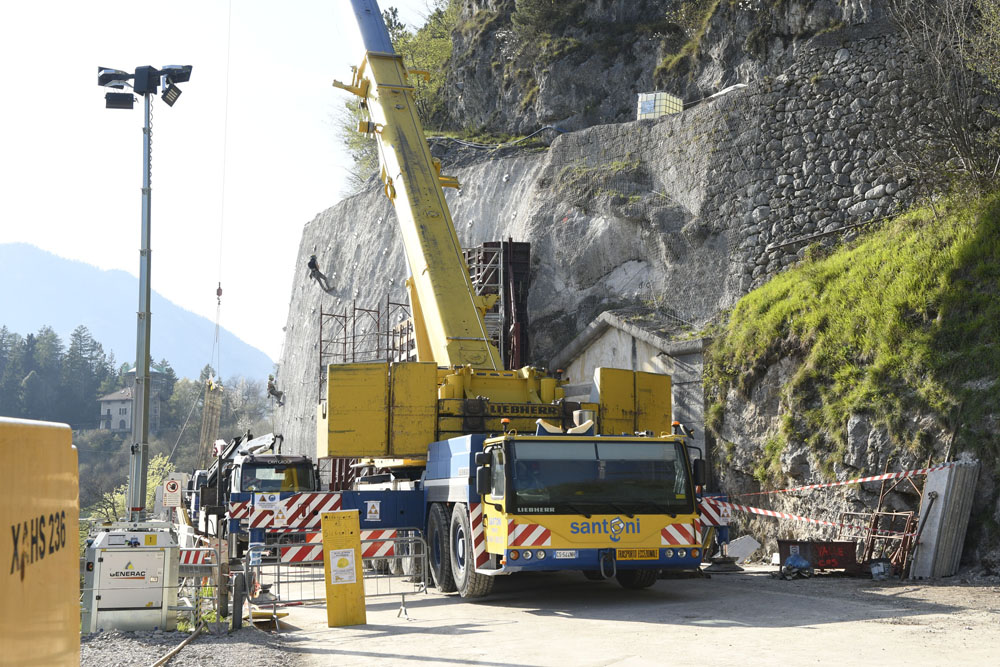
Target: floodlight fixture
170, 94
112, 78
118, 100
177, 73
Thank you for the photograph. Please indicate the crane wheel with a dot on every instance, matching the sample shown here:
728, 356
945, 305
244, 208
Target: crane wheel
439, 556
636, 579
470, 583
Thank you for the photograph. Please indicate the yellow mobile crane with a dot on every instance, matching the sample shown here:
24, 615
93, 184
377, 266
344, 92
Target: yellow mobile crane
506, 474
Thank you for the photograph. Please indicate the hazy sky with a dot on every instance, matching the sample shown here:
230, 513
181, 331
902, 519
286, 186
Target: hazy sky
233, 184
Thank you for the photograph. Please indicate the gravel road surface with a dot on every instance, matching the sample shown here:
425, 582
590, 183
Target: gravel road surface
561, 619
246, 648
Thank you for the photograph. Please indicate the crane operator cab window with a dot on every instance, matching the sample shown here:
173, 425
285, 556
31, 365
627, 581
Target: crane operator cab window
277, 477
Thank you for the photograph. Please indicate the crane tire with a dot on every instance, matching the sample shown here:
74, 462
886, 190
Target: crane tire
470, 584
636, 579
439, 556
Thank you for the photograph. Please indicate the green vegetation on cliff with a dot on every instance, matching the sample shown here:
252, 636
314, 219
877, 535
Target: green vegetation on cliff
903, 321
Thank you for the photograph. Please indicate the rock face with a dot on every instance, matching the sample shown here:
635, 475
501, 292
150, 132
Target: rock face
584, 63
686, 213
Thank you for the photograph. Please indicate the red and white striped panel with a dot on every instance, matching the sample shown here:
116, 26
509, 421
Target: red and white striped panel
527, 535
239, 509
713, 515
378, 549
312, 552
303, 510
195, 557
478, 534
680, 534
261, 518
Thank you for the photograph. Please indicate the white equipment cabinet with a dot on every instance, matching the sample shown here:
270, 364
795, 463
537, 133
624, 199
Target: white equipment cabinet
130, 580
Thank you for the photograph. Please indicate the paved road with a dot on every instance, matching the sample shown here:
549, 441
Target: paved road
742, 619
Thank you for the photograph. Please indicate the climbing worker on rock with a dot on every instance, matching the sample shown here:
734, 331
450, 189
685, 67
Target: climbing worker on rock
272, 390
316, 274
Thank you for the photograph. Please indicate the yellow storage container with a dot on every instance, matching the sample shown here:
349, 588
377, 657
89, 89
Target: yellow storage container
413, 420
652, 402
616, 391
354, 420
39, 510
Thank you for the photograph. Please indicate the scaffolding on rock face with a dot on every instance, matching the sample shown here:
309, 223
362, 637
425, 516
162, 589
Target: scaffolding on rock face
504, 268
385, 332
355, 335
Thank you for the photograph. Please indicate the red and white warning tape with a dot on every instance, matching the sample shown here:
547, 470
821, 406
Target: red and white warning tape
858, 480
795, 517
723, 505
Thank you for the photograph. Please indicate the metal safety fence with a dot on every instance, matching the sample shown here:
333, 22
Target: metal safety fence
290, 569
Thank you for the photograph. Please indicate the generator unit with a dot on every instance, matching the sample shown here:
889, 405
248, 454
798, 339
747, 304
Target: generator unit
130, 580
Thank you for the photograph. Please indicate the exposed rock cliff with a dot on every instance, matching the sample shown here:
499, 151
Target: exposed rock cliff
516, 67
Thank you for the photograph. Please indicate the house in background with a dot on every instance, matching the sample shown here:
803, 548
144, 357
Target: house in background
117, 408
641, 339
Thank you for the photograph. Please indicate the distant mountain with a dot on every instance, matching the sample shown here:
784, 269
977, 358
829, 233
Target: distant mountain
38, 288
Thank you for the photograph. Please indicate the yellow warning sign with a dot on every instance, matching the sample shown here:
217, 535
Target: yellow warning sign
345, 588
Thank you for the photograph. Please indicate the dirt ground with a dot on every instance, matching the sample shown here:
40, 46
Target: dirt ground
742, 619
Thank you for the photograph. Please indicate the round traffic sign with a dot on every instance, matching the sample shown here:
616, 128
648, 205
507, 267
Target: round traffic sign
172, 486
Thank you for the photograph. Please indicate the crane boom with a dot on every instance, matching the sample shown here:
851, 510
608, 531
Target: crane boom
448, 315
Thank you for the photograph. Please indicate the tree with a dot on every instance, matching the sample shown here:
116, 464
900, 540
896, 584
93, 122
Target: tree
983, 56
245, 406
10, 373
112, 379
40, 387
206, 373
111, 505
397, 29
168, 381
949, 138
84, 371
429, 49
362, 148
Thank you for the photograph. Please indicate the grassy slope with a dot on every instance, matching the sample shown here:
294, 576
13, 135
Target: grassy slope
903, 321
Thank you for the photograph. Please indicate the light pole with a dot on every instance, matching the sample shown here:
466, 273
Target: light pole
145, 81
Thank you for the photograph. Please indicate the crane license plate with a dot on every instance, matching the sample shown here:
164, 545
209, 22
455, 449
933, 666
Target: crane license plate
638, 554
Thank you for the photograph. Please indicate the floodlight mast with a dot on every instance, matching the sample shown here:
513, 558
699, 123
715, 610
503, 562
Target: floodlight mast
146, 84
139, 460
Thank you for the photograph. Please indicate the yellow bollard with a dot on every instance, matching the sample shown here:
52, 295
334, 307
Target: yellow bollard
345, 586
